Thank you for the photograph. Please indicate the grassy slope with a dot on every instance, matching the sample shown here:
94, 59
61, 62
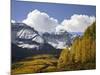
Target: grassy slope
45, 63
40, 63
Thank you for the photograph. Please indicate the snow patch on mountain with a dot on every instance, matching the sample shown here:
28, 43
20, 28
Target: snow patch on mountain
28, 46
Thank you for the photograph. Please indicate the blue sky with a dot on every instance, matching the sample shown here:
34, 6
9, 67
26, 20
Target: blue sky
20, 9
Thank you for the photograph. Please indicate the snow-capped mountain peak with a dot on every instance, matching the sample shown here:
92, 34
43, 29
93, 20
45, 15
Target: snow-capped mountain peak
26, 37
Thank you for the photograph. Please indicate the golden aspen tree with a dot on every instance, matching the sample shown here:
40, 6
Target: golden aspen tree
64, 58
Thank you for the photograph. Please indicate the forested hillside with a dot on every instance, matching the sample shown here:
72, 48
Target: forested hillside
82, 53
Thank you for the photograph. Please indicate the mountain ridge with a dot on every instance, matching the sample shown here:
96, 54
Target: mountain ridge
26, 37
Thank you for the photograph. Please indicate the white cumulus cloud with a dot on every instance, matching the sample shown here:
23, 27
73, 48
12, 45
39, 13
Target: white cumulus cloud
41, 21
77, 23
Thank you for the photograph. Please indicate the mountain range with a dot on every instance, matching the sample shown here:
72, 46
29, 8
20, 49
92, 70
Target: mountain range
27, 37
26, 41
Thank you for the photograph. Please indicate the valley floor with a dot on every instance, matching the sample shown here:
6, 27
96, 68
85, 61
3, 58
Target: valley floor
46, 63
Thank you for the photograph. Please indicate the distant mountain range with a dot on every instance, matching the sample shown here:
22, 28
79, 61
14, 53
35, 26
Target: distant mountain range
26, 41
27, 37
